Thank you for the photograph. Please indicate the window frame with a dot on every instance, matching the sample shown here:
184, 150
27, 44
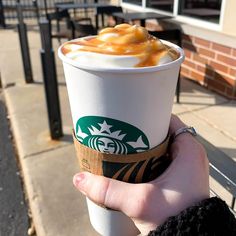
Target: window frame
180, 18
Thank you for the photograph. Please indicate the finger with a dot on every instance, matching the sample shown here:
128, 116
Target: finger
184, 143
187, 154
185, 149
189, 166
104, 191
175, 124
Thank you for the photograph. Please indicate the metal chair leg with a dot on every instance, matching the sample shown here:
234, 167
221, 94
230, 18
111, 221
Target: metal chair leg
178, 89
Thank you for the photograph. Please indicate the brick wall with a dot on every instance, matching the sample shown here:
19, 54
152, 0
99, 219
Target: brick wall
212, 65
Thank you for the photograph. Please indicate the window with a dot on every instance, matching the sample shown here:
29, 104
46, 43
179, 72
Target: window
135, 2
202, 9
165, 5
208, 10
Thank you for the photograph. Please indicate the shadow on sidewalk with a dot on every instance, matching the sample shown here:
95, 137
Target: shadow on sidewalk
14, 210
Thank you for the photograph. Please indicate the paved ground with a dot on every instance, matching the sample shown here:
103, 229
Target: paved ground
48, 166
14, 211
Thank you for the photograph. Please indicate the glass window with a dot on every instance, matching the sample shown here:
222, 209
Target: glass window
135, 2
165, 5
208, 10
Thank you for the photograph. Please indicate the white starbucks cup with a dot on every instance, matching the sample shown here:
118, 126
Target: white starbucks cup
120, 110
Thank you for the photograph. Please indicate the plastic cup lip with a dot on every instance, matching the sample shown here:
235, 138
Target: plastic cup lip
165, 66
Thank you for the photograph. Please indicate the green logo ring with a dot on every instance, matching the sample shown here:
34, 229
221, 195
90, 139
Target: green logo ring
110, 135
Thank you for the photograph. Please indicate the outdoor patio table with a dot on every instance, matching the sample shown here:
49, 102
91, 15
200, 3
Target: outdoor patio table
81, 6
142, 16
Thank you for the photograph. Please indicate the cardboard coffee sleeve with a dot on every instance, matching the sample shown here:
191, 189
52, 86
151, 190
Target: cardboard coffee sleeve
133, 168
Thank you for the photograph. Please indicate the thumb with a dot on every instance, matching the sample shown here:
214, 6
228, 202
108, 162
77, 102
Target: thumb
105, 191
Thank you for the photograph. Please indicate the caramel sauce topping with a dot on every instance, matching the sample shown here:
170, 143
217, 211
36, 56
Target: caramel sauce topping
125, 39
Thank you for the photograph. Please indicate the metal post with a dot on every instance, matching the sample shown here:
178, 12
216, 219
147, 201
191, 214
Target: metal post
46, 8
2, 17
22, 31
233, 203
35, 3
0, 81
178, 88
50, 81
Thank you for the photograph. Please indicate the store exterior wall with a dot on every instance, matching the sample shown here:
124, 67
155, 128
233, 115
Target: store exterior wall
229, 18
210, 52
210, 60
211, 64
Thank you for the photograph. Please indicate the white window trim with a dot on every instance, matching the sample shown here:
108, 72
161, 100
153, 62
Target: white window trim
143, 3
180, 18
176, 7
222, 13
132, 7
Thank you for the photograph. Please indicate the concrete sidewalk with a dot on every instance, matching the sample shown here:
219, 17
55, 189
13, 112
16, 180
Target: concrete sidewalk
48, 166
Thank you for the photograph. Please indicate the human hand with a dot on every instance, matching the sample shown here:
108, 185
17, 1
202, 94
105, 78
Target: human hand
184, 183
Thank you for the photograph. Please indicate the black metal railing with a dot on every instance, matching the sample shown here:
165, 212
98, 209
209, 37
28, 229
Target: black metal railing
2, 18
222, 170
50, 81
24, 45
8, 10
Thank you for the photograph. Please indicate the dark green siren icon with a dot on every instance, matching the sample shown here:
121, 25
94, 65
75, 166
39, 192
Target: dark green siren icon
110, 135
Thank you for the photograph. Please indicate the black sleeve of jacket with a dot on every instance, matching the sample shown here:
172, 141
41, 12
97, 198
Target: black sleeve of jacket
209, 217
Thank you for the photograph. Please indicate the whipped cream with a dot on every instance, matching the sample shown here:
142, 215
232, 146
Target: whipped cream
123, 46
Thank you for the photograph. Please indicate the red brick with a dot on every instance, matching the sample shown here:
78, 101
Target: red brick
216, 85
189, 63
234, 93
187, 53
199, 59
224, 79
232, 72
189, 46
185, 71
219, 67
221, 48
196, 57
209, 71
206, 52
187, 38
201, 68
234, 52
197, 76
215, 90
229, 91
227, 60
202, 42
185, 75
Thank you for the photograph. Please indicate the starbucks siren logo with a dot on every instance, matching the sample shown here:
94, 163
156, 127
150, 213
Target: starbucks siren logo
110, 135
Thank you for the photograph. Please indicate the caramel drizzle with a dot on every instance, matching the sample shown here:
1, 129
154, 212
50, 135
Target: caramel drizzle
124, 39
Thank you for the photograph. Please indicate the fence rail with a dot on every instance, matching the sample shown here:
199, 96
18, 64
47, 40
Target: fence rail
8, 10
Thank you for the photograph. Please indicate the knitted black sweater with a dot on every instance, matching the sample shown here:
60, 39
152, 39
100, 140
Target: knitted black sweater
210, 217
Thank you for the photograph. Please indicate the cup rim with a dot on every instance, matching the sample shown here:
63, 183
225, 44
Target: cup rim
165, 66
